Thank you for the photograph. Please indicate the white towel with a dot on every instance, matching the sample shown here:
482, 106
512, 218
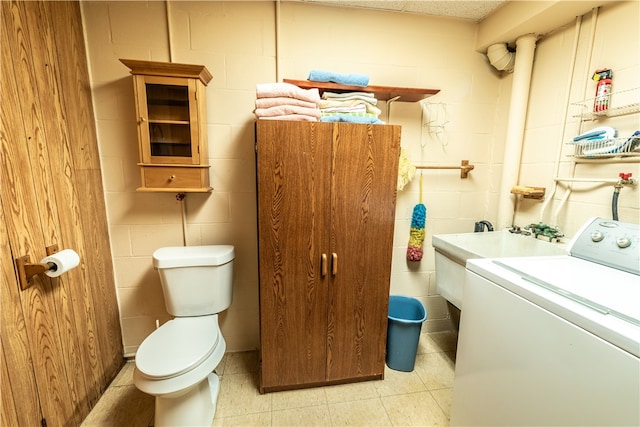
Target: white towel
327, 104
346, 109
334, 95
276, 90
274, 102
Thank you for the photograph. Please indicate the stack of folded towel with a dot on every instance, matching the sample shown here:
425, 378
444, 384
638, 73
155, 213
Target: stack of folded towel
285, 101
354, 107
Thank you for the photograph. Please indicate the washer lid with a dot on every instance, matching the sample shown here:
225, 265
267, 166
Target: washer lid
188, 256
177, 346
599, 299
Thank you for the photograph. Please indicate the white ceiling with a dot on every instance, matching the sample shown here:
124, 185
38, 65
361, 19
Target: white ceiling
474, 10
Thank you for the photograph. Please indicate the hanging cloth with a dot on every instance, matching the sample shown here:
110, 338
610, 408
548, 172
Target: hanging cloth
406, 170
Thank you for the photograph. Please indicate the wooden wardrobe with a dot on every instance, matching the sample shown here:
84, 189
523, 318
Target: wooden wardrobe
326, 209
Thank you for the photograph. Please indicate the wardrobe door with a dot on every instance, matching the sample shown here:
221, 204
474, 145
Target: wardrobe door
365, 171
293, 225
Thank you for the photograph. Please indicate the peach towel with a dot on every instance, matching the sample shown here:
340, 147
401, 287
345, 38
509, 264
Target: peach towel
284, 110
287, 90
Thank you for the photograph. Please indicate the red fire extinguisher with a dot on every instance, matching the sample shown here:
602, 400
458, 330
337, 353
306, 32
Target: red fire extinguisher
603, 90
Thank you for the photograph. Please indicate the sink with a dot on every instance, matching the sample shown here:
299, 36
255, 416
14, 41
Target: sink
453, 251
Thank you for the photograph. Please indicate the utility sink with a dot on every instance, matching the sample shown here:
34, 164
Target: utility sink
453, 251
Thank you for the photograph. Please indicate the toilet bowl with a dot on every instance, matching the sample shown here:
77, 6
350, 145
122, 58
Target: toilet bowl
173, 363
176, 362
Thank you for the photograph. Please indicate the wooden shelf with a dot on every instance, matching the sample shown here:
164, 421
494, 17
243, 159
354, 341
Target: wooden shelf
382, 93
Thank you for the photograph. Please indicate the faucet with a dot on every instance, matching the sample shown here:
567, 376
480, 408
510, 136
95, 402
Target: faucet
480, 225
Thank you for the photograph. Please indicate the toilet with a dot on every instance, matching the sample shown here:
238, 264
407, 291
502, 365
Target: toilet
175, 363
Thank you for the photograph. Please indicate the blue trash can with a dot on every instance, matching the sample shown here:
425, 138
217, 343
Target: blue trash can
405, 319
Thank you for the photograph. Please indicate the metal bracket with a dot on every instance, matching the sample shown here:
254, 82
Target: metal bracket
465, 168
26, 270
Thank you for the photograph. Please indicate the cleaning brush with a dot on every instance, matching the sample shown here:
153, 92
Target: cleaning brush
416, 235
417, 232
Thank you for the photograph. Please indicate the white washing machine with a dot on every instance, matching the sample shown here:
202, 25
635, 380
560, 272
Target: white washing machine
553, 340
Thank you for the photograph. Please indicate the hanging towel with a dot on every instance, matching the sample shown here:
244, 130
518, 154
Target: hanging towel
343, 79
406, 170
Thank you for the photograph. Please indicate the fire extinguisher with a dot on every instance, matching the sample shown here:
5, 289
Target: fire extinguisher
603, 90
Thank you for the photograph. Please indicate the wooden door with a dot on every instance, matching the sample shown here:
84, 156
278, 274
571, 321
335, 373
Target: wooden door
61, 342
293, 228
363, 194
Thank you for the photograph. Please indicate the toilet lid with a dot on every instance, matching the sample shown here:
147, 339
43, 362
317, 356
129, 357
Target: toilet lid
177, 346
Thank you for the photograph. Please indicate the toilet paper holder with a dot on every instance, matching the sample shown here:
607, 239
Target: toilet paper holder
26, 269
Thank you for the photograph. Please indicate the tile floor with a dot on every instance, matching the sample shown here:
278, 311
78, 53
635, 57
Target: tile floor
418, 398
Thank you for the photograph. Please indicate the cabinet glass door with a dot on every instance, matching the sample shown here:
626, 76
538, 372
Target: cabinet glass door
169, 124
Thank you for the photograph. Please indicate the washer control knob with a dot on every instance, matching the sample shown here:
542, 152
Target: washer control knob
623, 242
597, 236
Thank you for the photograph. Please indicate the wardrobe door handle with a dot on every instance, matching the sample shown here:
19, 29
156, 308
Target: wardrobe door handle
334, 263
323, 265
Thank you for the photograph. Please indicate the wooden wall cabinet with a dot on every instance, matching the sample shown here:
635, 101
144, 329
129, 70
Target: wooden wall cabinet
171, 114
326, 209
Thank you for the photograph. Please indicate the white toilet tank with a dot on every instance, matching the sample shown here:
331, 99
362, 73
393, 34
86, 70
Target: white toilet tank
196, 280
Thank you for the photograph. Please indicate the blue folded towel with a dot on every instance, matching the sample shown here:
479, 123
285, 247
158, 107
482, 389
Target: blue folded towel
343, 79
352, 119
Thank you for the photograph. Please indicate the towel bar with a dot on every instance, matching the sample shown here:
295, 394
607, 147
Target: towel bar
464, 167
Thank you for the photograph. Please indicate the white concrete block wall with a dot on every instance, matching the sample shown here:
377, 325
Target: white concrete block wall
615, 46
237, 43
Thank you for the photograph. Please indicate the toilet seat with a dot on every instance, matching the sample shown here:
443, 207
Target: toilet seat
177, 347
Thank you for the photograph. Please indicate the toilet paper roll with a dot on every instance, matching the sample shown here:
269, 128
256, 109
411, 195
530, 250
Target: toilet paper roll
63, 261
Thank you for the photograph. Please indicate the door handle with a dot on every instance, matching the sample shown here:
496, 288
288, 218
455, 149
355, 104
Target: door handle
334, 263
323, 265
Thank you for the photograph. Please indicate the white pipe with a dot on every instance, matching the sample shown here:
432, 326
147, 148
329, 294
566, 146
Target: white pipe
277, 40
572, 64
500, 57
169, 29
601, 180
592, 35
183, 209
525, 47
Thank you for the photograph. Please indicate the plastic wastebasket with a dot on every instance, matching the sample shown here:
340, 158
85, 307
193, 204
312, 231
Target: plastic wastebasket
405, 319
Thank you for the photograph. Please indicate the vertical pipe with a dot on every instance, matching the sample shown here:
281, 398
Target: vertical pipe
572, 72
525, 47
183, 211
169, 29
592, 35
277, 40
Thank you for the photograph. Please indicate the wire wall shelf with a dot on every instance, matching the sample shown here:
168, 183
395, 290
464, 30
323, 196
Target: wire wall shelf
619, 104
607, 148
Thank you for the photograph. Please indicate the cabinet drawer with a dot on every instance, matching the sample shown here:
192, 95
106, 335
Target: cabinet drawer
175, 178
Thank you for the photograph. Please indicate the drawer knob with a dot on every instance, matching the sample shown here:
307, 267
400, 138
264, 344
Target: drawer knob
172, 177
